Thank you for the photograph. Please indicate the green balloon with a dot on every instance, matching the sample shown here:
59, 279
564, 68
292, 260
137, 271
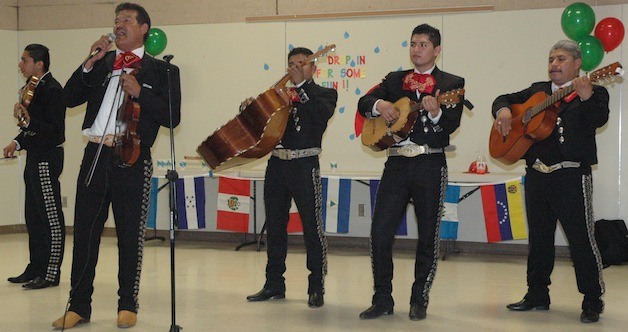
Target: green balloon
578, 20
592, 52
156, 41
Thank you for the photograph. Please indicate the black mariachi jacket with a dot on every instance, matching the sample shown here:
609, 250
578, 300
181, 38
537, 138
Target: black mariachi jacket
391, 89
577, 122
46, 128
308, 119
153, 100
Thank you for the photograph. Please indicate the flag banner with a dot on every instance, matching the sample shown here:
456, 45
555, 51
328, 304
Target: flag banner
294, 222
191, 202
402, 229
337, 208
449, 221
152, 207
234, 204
503, 211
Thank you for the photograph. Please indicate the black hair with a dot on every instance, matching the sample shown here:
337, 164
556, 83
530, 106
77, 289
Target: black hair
39, 53
432, 33
142, 15
300, 50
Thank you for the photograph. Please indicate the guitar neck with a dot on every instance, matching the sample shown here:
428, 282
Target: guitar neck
416, 107
561, 93
553, 99
419, 106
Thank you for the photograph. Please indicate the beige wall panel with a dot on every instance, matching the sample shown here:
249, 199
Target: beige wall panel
8, 16
72, 14
11, 190
288, 7
99, 14
52, 17
203, 11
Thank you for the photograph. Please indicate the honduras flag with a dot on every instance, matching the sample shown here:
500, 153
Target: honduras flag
191, 202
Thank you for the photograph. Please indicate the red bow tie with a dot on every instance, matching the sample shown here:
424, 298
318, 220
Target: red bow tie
294, 96
422, 82
126, 60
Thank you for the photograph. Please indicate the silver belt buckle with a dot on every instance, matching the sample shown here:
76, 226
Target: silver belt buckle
282, 154
542, 168
412, 150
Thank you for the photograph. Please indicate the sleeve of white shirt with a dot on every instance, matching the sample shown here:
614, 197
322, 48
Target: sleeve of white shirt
436, 118
374, 110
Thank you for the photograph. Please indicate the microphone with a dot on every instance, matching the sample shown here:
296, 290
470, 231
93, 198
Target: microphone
112, 38
168, 57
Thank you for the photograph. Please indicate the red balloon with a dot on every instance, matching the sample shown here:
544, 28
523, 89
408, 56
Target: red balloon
610, 31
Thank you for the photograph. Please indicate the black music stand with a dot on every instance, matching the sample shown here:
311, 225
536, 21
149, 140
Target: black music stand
256, 240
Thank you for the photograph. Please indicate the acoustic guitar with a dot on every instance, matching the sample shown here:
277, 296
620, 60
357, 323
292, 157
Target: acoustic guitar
535, 119
256, 130
378, 134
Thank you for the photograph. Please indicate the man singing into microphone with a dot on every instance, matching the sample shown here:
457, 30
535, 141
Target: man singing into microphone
101, 82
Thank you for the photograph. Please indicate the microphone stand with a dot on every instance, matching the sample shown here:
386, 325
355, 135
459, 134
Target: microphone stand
172, 177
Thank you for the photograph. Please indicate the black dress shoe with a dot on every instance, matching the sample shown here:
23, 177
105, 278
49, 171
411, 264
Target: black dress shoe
39, 283
417, 312
315, 300
525, 305
589, 316
375, 311
22, 278
266, 294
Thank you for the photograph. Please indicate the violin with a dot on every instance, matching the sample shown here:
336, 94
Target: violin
26, 93
127, 141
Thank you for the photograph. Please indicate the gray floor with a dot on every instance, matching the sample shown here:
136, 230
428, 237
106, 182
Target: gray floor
469, 294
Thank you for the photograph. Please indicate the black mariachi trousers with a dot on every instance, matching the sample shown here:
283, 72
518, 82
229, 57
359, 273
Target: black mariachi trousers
299, 179
44, 217
127, 189
422, 179
564, 195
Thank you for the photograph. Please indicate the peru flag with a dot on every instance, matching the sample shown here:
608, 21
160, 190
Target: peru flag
234, 203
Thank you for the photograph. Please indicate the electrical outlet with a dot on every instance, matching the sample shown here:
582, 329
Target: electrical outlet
361, 208
64, 201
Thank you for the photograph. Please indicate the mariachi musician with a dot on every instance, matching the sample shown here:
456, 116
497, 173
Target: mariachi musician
293, 172
416, 170
102, 81
558, 184
41, 118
